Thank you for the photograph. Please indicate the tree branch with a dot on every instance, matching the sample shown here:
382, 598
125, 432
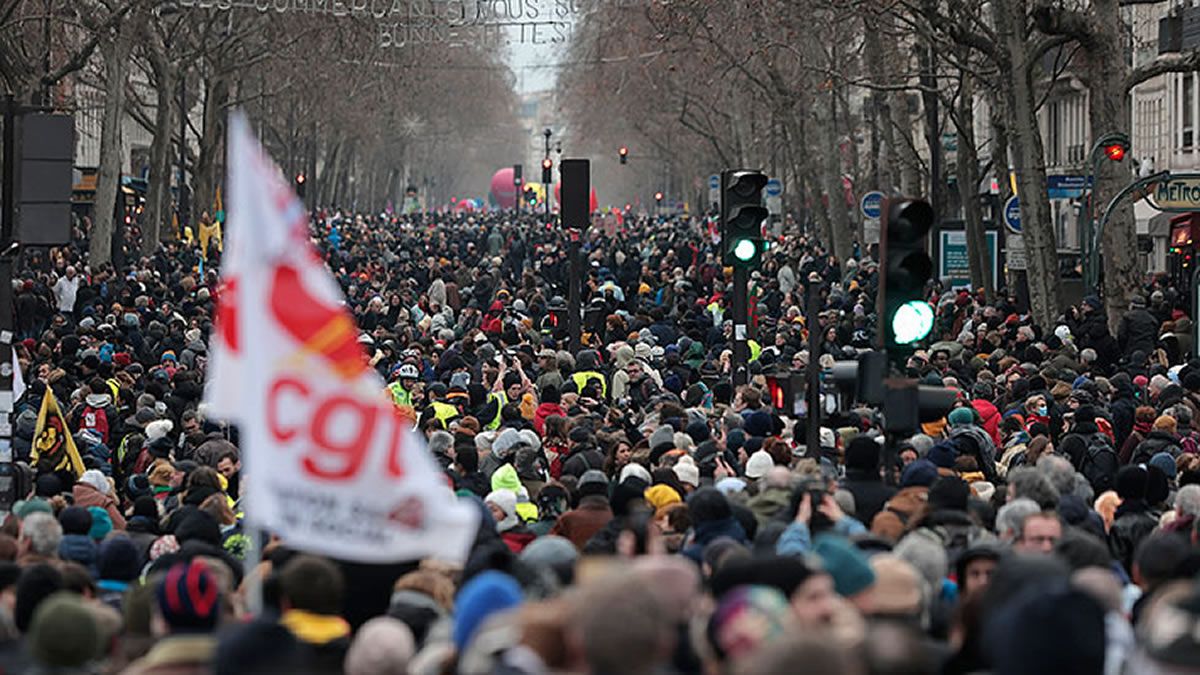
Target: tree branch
1183, 62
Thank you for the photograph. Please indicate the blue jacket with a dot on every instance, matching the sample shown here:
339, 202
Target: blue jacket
797, 540
705, 533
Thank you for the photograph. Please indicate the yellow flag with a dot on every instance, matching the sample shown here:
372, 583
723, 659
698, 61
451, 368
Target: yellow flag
53, 447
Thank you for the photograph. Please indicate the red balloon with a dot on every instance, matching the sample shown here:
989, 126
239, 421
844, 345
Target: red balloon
503, 191
593, 203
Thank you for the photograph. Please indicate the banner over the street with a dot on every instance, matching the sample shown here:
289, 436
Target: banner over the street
330, 466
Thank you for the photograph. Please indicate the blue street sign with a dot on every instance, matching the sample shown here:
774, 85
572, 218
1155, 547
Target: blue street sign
714, 182
774, 187
871, 205
1012, 214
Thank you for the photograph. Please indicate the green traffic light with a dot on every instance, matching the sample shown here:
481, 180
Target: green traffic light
745, 250
912, 322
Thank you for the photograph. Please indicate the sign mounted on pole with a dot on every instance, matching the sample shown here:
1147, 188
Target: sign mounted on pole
871, 205
714, 189
1012, 214
774, 193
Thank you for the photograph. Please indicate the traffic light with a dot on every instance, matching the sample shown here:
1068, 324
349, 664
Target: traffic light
906, 317
623, 153
1116, 151
530, 196
742, 215
300, 181
547, 166
658, 197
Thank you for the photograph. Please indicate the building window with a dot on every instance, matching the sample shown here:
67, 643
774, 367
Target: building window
1188, 113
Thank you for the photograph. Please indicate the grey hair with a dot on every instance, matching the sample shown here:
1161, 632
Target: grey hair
1181, 413
1012, 515
1083, 489
43, 533
441, 442
1059, 471
1028, 481
1187, 500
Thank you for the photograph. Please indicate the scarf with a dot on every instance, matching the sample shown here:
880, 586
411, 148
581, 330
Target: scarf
317, 629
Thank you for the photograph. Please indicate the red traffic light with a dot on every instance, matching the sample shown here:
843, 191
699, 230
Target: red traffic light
299, 178
547, 163
1115, 151
624, 151
658, 196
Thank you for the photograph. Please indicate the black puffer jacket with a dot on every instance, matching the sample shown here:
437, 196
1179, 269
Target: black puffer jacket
1138, 331
1156, 441
1134, 522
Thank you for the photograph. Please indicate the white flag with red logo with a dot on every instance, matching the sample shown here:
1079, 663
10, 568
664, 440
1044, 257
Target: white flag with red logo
330, 466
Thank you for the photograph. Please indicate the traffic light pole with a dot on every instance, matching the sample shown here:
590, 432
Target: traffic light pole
574, 301
741, 319
813, 389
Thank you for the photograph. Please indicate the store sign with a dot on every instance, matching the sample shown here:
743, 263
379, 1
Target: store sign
954, 263
1178, 194
404, 23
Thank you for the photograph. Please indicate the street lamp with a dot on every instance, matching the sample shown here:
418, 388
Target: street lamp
1113, 147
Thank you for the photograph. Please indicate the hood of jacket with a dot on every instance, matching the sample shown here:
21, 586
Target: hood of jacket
505, 478
98, 400
78, 548
624, 356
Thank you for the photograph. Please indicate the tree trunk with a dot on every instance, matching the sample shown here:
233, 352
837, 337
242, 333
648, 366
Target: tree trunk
1041, 250
158, 203
212, 139
116, 52
831, 181
1108, 111
968, 190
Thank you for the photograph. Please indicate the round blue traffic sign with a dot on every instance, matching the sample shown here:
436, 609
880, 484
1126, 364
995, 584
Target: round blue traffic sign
1012, 214
872, 204
714, 182
774, 187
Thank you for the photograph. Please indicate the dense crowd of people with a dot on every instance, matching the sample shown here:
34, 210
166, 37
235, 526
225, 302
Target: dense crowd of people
640, 514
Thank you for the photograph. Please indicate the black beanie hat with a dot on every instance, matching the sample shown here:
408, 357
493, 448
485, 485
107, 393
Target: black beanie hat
862, 453
1132, 482
949, 492
75, 520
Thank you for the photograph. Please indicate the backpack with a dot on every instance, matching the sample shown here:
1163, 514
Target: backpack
95, 419
1190, 444
1100, 463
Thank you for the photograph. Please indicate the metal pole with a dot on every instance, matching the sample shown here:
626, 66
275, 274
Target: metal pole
574, 301
7, 228
741, 315
813, 386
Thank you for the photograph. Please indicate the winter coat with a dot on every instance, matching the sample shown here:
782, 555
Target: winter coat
85, 495
1138, 331
584, 521
81, 549
892, 520
706, 532
187, 654
1156, 441
1133, 523
870, 494
991, 419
